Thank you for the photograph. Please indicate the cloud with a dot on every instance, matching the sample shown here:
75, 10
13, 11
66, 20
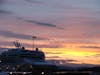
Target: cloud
61, 61
28, 45
11, 34
52, 57
48, 46
5, 12
33, 1
1, 1
40, 23
43, 24
97, 55
5, 43
14, 35
41, 46
53, 52
95, 47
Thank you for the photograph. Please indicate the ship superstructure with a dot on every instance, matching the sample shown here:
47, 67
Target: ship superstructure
14, 55
20, 60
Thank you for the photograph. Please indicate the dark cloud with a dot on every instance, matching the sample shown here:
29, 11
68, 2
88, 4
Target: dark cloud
48, 46
34, 1
14, 35
39, 23
43, 24
96, 47
11, 34
61, 61
5, 12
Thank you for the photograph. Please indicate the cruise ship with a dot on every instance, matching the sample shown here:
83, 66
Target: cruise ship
20, 61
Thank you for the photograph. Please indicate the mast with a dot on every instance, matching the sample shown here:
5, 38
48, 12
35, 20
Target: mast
33, 38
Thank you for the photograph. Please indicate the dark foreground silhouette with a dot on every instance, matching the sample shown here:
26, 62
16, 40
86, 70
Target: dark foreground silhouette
52, 70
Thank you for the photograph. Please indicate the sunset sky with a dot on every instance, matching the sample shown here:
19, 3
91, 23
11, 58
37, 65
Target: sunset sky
66, 30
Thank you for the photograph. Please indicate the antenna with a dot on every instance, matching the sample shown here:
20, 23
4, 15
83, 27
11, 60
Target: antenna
33, 38
17, 44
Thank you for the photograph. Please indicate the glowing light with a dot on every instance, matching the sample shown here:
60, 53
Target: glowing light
0, 61
42, 73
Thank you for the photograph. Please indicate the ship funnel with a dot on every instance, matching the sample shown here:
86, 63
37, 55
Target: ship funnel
37, 49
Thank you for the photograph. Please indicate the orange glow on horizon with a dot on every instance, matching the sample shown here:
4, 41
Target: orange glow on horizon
86, 57
82, 56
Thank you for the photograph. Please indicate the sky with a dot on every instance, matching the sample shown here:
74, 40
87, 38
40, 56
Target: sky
66, 30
